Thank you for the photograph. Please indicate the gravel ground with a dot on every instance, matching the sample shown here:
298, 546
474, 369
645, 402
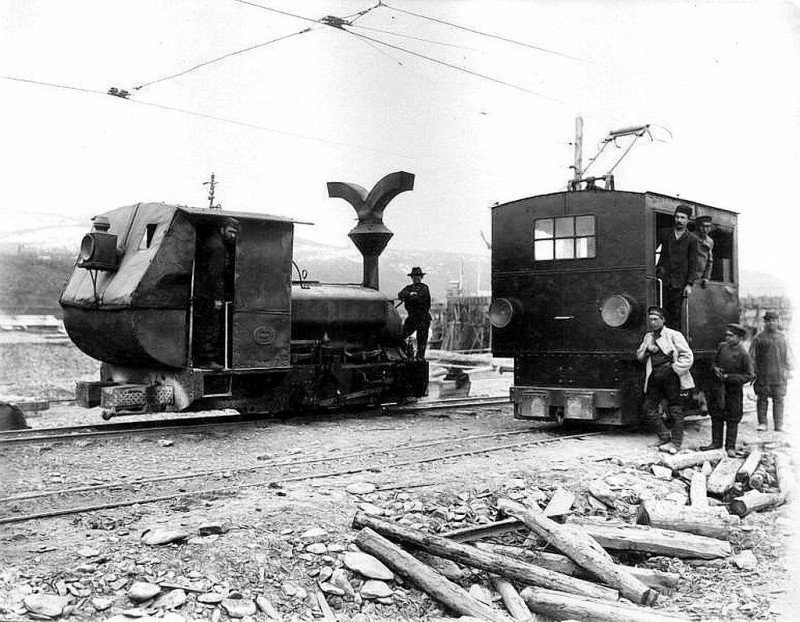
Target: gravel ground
94, 558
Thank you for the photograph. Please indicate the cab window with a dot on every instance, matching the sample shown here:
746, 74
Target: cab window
568, 237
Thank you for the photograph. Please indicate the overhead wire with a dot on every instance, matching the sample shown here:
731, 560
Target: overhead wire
204, 115
219, 58
457, 67
405, 36
485, 34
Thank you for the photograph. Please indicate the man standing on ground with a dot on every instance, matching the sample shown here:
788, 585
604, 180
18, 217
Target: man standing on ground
733, 368
705, 249
417, 298
677, 265
667, 359
770, 354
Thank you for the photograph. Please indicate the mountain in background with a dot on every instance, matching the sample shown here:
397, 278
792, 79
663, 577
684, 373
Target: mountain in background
37, 256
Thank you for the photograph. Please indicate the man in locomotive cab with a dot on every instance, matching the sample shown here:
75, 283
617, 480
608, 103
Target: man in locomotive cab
667, 359
417, 298
213, 287
677, 265
705, 248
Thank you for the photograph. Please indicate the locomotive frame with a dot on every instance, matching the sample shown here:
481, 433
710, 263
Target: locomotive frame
562, 261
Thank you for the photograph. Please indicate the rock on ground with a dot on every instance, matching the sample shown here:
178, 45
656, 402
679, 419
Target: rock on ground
367, 565
48, 605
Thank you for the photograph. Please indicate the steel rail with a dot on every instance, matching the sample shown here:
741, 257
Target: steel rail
275, 463
230, 490
165, 425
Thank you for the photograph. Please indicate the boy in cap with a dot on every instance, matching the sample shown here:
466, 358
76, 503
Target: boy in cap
677, 265
772, 365
417, 298
705, 248
732, 369
667, 359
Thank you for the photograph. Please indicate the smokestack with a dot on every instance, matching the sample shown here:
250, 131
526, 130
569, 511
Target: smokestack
370, 235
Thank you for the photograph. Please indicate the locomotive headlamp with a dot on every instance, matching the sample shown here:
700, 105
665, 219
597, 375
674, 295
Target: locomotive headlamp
501, 311
99, 248
616, 310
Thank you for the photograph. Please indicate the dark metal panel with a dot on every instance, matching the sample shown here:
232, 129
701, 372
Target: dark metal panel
261, 331
711, 309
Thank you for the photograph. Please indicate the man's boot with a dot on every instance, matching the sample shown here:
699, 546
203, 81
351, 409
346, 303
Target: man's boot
730, 438
777, 413
716, 435
761, 411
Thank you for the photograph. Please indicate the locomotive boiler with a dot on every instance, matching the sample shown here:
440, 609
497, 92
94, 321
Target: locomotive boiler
572, 276
287, 345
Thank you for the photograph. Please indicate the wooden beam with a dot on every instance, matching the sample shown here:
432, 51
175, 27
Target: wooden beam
485, 560
753, 501
750, 465
723, 477
428, 580
582, 549
697, 490
713, 522
681, 461
623, 537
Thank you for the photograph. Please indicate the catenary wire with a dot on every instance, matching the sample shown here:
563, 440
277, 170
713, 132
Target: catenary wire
457, 67
405, 36
204, 115
376, 48
485, 34
219, 58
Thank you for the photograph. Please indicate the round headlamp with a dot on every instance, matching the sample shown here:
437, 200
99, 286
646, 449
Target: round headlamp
501, 311
616, 310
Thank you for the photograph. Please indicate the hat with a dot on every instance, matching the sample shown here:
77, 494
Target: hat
701, 220
656, 311
230, 221
736, 329
416, 271
771, 315
684, 209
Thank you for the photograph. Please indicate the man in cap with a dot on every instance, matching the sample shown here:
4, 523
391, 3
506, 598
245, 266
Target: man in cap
705, 248
677, 265
668, 359
417, 298
772, 364
732, 369
213, 287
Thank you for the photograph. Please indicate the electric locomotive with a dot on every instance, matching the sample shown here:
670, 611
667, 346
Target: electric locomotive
288, 344
573, 273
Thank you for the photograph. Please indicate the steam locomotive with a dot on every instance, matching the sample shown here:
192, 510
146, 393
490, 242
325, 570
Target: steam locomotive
573, 273
289, 345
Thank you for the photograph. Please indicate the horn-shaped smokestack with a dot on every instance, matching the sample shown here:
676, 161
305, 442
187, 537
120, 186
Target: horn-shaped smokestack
370, 235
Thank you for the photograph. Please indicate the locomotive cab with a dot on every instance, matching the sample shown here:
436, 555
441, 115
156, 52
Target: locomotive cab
572, 276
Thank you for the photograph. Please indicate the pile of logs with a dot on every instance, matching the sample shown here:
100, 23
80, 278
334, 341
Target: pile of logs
577, 579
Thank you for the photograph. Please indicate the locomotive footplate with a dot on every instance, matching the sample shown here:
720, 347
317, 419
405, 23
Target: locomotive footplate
558, 403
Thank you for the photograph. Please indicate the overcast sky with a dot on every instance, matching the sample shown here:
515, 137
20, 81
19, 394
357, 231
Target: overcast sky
721, 78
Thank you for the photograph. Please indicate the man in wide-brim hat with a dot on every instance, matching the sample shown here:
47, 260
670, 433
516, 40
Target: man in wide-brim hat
417, 299
677, 264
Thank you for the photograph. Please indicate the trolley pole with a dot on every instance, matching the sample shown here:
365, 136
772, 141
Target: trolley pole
578, 165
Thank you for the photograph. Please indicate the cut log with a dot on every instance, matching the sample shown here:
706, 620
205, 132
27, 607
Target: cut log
656, 579
560, 503
583, 550
697, 490
753, 500
511, 599
723, 476
622, 537
485, 560
560, 606
785, 476
428, 580
750, 465
712, 522
759, 479
681, 461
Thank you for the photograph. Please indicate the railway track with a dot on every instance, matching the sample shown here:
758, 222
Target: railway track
207, 421
272, 475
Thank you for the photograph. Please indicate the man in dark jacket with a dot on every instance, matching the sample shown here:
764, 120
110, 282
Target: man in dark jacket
417, 298
705, 249
733, 368
772, 365
677, 265
213, 287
